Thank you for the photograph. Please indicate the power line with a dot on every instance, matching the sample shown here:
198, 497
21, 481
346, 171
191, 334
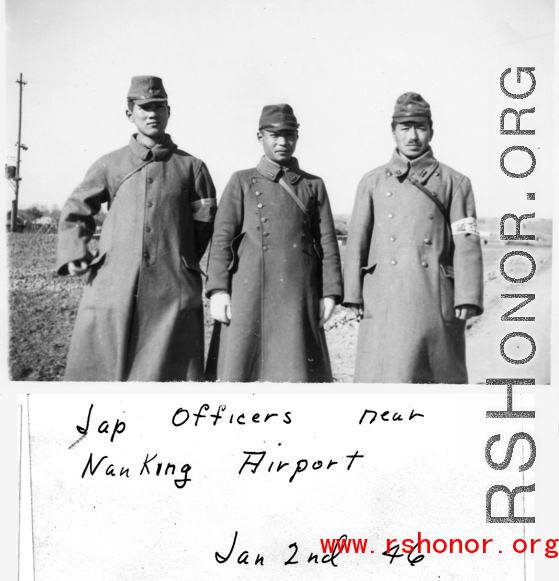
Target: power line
20, 146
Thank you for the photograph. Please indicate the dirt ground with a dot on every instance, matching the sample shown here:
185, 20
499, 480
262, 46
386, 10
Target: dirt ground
485, 333
43, 307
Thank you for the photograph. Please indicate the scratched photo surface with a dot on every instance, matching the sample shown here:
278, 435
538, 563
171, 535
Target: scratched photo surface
341, 66
252, 487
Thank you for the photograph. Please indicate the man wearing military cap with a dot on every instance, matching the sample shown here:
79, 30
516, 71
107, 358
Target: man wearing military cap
274, 273
413, 268
140, 318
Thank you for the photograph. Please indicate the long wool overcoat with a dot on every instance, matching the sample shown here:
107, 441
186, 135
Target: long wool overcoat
409, 272
140, 317
276, 261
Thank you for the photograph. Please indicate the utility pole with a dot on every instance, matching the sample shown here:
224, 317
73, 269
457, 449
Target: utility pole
21, 82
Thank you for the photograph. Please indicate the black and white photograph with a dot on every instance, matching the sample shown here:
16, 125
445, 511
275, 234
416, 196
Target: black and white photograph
334, 207
374, 136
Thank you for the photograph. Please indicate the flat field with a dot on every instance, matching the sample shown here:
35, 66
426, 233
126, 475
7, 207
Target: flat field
43, 308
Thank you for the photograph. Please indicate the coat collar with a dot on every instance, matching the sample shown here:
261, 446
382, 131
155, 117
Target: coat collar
421, 168
271, 170
157, 152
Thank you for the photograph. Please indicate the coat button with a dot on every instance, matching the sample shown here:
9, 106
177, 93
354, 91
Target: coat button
259, 206
427, 241
148, 229
392, 238
430, 216
391, 215
265, 234
146, 255
149, 204
150, 180
437, 173
264, 248
263, 219
434, 194
388, 194
423, 263
388, 173
393, 262
257, 193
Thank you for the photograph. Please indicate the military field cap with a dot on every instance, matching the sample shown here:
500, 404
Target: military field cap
145, 89
411, 107
276, 117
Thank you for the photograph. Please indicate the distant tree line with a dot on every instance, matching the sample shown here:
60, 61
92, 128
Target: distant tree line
33, 213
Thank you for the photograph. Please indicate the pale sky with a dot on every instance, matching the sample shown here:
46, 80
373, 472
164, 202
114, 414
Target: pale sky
341, 65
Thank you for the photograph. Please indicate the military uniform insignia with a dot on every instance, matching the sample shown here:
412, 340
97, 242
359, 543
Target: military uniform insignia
203, 210
465, 226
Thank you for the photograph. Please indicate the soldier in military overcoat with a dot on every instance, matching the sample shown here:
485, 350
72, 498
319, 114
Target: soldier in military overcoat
413, 268
274, 273
140, 317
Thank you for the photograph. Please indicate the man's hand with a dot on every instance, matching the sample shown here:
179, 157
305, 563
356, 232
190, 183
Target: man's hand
357, 310
77, 268
465, 312
326, 310
220, 307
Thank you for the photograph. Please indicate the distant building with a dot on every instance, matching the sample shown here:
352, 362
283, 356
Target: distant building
21, 224
45, 225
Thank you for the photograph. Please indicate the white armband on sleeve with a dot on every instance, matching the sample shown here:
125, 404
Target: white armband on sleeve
465, 226
203, 210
